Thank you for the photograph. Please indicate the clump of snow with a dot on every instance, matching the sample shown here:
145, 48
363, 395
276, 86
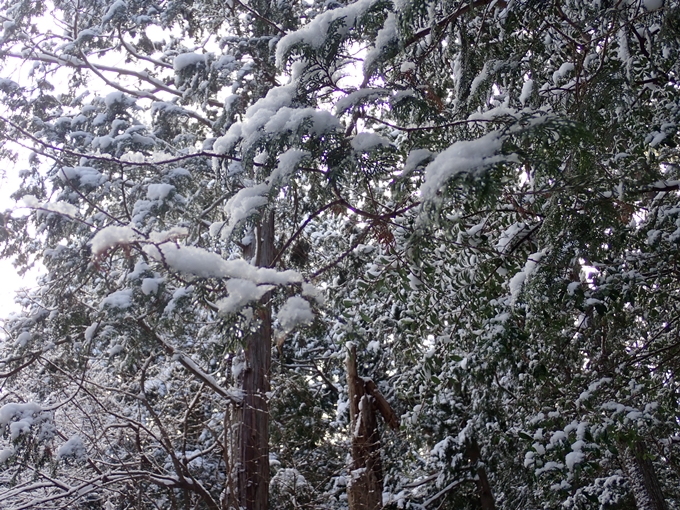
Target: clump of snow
652, 5
21, 411
256, 117
58, 207
241, 292
172, 234
314, 33
117, 8
416, 158
23, 338
294, 312
84, 175
118, 98
90, 331
119, 299
387, 36
112, 236
407, 67
527, 89
312, 291
360, 96
517, 282
159, 191
572, 459
150, 285
465, 156
184, 60
24, 414
181, 293
248, 200
5, 454
288, 480
364, 142
562, 72
206, 264
74, 447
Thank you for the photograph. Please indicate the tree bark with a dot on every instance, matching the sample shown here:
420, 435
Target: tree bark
364, 490
249, 448
642, 478
485, 495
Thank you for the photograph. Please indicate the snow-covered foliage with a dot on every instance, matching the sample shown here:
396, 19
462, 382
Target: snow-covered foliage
482, 196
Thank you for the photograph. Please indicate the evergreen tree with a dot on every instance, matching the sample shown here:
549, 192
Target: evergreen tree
224, 197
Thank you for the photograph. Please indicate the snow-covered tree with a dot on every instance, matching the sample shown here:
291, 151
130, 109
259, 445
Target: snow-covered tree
479, 196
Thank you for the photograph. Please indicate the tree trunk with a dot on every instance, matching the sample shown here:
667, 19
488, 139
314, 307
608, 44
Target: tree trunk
483, 486
364, 490
642, 478
249, 443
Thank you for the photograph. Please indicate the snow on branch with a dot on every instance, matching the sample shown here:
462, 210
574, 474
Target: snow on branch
464, 156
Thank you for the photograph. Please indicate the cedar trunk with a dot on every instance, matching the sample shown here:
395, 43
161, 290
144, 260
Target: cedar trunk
364, 490
642, 478
483, 486
249, 449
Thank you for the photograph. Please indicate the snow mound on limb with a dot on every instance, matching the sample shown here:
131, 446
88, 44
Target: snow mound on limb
315, 33
249, 200
463, 157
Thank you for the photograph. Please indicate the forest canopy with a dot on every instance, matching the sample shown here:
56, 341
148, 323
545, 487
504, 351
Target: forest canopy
404, 254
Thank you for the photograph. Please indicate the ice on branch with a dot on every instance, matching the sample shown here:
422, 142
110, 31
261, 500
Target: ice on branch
465, 156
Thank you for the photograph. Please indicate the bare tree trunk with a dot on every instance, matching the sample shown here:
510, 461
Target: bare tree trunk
249, 427
642, 478
364, 489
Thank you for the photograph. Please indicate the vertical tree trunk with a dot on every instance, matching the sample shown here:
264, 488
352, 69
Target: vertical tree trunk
364, 490
642, 478
249, 448
483, 486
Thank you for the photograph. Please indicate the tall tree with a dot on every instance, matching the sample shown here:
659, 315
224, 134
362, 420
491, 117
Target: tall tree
481, 196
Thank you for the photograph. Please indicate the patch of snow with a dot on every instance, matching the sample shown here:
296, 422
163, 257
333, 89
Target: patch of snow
465, 156
241, 292
527, 89
314, 34
112, 236
5, 454
184, 60
159, 191
364, 142
58, 207
119, 299
74, 447
294, 312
